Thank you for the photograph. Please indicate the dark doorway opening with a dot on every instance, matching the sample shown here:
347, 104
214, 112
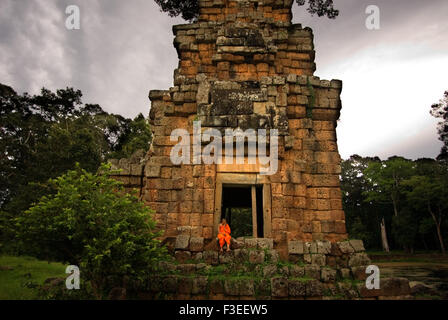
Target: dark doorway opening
242, 206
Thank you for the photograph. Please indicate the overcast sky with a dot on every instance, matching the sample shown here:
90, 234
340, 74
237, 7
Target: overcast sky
124, 48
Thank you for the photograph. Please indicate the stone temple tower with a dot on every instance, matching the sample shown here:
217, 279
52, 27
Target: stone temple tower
244, 65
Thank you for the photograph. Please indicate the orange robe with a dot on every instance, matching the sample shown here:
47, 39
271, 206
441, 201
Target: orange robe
224, 235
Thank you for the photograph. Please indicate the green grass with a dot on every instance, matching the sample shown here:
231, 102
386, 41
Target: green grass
20, 282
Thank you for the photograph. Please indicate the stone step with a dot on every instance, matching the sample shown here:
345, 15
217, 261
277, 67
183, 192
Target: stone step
273, 287
212, 257
197, 244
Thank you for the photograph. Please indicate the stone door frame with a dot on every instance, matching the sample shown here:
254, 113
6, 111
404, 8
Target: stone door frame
247, 179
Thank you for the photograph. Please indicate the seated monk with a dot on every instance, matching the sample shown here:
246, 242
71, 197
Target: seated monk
224, 234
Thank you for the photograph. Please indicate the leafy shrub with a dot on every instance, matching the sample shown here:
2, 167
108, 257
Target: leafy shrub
91, 222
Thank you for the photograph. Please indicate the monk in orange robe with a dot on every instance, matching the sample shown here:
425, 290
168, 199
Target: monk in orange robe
224, 234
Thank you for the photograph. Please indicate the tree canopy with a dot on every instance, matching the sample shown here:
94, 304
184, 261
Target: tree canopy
42, 136
397, 201
440, 111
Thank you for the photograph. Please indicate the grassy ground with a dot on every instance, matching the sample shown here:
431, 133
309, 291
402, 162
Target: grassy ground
401, 256
20, 275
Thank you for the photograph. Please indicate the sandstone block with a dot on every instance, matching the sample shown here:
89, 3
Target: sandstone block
241, 255
395, 287
272, 256
279, 287
246, 287
182, 256
357, 245
265, 243
296, 288
256, 256
344, 273
226, 257
196, 244
295, 247
231, 287
312, 271
199, 285
328, 275
297, 271
250, 243
184, 285
318, 259
345, 247
314, 288
216, 286
359, 273
182, 242
211, 257
269, 271
323, 247
358, 259
169, 284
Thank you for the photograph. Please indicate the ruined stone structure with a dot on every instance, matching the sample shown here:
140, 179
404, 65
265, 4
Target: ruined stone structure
243, 64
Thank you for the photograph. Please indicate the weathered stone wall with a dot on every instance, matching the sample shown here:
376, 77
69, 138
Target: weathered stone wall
245, 65
253, 270
131, 172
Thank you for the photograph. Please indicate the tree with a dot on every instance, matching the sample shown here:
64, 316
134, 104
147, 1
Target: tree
362, 218
440, 111
189, 9
135, 135
42, 136
91, 222
428, 193
386, 179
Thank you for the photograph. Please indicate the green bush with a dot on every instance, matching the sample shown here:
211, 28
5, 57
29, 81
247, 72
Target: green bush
91, 222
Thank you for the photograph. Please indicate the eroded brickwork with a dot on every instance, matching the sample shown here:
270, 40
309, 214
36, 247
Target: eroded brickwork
245, 65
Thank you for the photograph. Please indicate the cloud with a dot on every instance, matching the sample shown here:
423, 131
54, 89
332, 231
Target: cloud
124, 49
